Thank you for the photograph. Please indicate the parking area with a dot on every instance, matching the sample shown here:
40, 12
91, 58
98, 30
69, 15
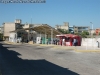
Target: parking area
26, 59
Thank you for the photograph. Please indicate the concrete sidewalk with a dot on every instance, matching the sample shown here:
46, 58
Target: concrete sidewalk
75, 48
87, 49
7, 42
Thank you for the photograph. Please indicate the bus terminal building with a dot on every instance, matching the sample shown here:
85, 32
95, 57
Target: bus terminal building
34, 33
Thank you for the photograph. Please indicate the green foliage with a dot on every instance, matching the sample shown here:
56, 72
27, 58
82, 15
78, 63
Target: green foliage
99, 33
77, 33
1, 36
63, 31
94, 33
84, 34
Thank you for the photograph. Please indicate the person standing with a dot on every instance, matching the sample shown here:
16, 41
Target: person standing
22, 39
63, 41
74, 42
56, 41
47, 41
98, 44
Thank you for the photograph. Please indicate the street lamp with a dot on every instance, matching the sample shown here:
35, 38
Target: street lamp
92, 33
92, 25
92, 28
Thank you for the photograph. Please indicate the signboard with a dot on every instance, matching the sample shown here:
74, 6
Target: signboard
67, 43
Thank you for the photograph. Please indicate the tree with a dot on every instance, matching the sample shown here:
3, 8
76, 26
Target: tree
84, 34
63, 31
99, 33
77, 33
94, 33
1, 36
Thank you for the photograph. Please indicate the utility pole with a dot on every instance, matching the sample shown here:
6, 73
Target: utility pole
92, 33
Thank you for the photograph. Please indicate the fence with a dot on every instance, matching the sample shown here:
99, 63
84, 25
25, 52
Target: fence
90, 43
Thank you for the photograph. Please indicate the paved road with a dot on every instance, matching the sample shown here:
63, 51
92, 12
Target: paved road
41, 60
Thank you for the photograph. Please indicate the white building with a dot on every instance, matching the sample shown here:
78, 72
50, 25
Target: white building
1, 29
9, 26
65, 26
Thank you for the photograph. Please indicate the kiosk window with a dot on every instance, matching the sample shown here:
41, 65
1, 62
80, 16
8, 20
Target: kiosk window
67, 39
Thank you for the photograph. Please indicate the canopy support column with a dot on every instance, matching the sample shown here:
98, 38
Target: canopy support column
45, 36
51, 36
28, 36
15, 37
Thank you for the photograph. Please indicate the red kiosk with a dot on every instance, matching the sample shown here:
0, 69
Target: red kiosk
69, 39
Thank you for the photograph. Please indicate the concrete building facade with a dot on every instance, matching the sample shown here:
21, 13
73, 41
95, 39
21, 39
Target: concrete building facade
1, 29
97, 31
75, 29
9, 26
65, 26
80, 29
92, 32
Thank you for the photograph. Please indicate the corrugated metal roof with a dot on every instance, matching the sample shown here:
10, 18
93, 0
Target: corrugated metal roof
45, 29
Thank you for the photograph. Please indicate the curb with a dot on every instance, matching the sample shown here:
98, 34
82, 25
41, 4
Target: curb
46, 45
87, 50
12, 43
7, 42
64, 47
57, 46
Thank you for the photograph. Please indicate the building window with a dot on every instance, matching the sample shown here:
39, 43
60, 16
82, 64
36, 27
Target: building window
75, 30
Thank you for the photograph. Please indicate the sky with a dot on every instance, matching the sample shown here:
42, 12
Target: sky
53, 12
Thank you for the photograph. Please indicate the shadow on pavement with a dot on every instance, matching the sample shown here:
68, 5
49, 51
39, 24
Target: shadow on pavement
13, 65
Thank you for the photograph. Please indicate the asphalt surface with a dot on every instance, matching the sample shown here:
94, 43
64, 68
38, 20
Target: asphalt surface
27, 59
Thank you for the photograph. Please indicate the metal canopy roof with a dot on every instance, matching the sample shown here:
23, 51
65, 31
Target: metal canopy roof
44, 29
68, 35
